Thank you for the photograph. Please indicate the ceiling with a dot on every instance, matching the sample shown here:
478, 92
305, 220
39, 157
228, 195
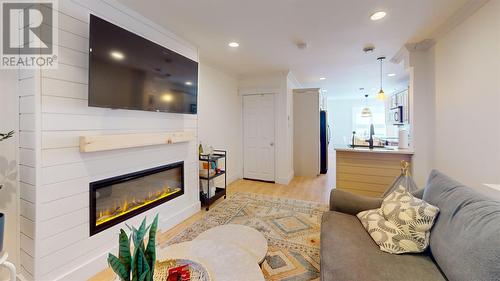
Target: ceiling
335, 31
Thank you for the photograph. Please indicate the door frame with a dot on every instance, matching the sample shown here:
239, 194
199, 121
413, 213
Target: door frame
258, 93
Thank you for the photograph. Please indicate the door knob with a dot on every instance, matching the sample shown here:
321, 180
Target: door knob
272, 144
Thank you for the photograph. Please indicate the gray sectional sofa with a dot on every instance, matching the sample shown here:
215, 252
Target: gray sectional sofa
464, 241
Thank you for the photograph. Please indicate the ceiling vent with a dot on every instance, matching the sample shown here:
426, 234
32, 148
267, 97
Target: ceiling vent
302, 45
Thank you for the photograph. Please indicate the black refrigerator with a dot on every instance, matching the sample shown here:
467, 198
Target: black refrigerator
324, 136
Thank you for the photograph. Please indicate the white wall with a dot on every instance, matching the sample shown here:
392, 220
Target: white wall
291, 84
455, 88
467, 124
422, 102
9, 194
219, 116
55, 241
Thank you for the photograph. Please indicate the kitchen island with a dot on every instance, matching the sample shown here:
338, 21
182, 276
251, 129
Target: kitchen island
367, 171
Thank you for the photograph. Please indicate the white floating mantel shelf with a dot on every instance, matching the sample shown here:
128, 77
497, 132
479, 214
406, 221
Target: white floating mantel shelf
111, 142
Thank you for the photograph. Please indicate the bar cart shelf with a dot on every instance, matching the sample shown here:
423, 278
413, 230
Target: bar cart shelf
208, 177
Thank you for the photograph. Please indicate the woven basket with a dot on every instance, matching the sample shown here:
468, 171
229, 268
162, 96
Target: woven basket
198, 272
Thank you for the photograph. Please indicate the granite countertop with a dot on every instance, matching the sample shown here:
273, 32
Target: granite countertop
385, 150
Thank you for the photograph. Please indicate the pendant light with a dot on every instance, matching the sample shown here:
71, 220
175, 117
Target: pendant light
381, 94
366, 112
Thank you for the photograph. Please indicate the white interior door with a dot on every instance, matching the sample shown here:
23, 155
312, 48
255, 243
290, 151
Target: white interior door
258, 137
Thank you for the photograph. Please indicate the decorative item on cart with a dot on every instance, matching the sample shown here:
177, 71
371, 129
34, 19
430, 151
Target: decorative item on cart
141, 264
200, 149
205, 150
204, 185
208, 150
208, 169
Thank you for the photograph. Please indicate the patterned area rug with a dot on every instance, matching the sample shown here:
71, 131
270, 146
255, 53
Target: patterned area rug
292, 229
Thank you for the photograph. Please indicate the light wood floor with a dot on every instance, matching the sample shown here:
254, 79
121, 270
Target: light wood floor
309, 189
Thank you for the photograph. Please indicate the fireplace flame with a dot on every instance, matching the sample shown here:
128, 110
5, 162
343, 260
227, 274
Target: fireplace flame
126, 206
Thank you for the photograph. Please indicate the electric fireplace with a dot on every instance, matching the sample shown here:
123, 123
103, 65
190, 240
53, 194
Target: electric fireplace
119, 198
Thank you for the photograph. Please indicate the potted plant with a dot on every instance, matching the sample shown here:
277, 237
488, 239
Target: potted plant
140, 265
2, 216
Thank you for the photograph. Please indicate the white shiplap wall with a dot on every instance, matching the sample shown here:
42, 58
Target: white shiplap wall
55, 176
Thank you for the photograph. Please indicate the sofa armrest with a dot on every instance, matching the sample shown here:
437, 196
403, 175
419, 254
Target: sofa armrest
349, 203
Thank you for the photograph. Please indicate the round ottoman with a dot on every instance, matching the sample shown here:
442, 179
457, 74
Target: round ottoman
245, 237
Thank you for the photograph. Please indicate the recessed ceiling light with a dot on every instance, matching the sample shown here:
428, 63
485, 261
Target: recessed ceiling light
391, 74
117, 55
378, 15
322, 78
233, 44
189, 83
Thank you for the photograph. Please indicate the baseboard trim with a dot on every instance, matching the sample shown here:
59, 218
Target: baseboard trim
285, 180
99, 263
234, 178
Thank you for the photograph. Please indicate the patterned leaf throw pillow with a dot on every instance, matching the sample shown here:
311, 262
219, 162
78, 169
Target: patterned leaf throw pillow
402, 224
413, 216
385, 234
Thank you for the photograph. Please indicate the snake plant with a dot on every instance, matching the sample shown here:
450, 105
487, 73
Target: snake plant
140, 265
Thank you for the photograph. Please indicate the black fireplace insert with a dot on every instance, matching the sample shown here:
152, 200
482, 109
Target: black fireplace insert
117, 199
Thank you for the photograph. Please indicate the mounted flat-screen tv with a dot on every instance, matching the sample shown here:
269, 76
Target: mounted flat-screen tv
127, 71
